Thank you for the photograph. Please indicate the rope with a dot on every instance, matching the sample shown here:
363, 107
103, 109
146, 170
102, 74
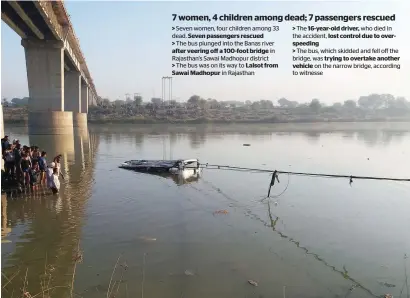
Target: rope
351, 177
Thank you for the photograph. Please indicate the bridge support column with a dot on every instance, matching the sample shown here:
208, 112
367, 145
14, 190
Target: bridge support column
72, 91
80, 118
85, 97
90, 98
74, 99
80, 122
45, 76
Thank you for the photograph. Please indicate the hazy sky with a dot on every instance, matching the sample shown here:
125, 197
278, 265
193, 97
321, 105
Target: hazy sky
127, 46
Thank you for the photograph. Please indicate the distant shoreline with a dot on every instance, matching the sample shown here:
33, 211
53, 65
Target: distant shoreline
19, 116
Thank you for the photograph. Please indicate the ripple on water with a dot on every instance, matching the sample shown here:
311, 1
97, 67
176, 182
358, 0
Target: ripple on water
317, 241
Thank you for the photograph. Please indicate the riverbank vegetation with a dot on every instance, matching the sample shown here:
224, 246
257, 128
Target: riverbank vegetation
374, 107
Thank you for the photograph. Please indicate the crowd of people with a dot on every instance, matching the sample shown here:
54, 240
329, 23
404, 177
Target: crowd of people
27, 166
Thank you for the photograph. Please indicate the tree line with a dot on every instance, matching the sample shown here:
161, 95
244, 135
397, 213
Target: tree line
15, 102
369, 102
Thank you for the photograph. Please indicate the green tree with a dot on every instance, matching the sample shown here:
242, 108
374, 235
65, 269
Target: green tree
137, 100
315, 105
284, 103
350, 104
194, 99
156, 101
203, 104
337, 106
106, 102
99, 101
119, 103
398, 103
403, 103
266, 104
256, 105
18, 102
372, 101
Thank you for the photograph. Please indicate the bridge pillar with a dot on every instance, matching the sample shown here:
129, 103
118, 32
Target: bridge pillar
45, 76
80, 118
72, 91
74, 98
85, 97
90, 98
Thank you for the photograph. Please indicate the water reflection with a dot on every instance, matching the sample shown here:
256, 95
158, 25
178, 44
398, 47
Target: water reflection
344, 273
188, 234
172, 141
42, 229
5, 229
313, 136
348, 135
139, 140
197, 138
108, 138
370, 138
179, 179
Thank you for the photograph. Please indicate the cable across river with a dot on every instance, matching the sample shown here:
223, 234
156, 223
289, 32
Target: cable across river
351, 177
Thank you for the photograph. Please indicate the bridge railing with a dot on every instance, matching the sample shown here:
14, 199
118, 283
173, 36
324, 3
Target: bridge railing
68, 36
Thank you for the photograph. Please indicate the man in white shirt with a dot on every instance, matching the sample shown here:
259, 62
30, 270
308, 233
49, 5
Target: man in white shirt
55, 182
49, 174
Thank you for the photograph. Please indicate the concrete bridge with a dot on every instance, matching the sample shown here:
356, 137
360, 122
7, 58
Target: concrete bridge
59, 82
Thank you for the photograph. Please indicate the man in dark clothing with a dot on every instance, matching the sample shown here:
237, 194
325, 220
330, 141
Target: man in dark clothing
5, 144
42, 163
17, 159
9, 162
25, 165
33, 173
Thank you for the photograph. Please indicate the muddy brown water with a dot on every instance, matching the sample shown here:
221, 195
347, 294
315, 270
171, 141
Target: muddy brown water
320, 238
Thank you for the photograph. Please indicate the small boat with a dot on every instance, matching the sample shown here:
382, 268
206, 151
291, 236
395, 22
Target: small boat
187, 167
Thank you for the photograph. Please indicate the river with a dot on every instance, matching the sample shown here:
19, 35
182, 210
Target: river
320, 238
